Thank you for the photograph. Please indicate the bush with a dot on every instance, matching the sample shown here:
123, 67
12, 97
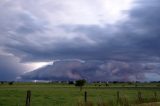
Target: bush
70, 82
80, 83
2, 82
10, 83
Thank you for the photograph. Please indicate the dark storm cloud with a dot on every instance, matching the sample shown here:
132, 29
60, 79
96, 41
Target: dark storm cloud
143, 27
29, 24
10, 68
134, 41
91, 70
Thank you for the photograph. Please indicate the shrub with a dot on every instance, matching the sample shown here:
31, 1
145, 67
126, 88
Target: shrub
10, 83
80, 83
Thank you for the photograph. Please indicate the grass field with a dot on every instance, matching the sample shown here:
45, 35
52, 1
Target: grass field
47, 94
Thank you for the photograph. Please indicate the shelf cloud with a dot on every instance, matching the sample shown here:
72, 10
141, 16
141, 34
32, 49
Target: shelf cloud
125, 37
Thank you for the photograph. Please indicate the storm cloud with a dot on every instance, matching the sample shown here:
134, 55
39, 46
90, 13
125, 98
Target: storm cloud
10, 68
129, 41
92, 71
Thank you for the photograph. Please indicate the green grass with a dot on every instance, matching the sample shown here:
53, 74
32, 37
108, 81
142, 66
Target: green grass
69, 95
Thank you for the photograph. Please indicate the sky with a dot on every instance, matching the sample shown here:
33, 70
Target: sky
76, 39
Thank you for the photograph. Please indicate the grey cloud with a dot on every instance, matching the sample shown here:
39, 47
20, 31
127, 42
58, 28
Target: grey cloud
10, 68
135, 41
91, 70
29, 24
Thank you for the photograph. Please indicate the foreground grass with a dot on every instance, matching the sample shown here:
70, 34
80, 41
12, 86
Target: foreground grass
149, 104
68, 95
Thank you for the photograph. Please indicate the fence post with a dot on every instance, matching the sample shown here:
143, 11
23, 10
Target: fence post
155, 96
85, 96
118, 96
28, 98
140, 97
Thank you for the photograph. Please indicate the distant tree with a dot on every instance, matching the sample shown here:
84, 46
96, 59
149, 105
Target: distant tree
115, 82
10, 83
70, 82
2, 82
80, 83
130, 83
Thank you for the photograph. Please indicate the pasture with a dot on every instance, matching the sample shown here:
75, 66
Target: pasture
55, 94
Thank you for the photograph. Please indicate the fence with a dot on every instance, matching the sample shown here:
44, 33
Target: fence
120, 99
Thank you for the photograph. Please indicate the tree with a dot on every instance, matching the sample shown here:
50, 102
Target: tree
70, 82
10, 83
2, 82
80, 83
